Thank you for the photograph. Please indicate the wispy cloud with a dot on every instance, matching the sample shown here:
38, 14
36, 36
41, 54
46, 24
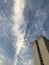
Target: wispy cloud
18, 22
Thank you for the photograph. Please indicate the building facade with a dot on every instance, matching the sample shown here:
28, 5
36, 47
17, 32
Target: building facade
41, 51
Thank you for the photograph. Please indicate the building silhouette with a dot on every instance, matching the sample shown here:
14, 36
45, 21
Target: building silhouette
41, 51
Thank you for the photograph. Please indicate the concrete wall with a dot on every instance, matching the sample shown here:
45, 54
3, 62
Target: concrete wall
35, 53
43, 50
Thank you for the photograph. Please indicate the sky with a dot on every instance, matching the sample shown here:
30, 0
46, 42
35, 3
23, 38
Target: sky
21, 22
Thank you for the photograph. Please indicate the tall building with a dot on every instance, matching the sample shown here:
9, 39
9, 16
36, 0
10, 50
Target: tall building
41, 51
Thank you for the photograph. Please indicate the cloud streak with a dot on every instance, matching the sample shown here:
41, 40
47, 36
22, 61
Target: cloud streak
18, 22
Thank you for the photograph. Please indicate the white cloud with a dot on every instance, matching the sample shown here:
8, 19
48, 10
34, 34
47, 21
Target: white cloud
4, 60
1, 61
2, 57
1, 17
41, 15
2, 50
5, 1
18, 19
29, 62
40, 18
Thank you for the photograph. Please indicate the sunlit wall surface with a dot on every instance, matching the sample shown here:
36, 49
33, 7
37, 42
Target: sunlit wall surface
41, 51
21, 22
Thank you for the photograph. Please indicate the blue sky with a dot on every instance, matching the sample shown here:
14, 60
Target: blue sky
21, 22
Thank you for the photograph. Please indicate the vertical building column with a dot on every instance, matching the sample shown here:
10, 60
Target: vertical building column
36, 55
44, 51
